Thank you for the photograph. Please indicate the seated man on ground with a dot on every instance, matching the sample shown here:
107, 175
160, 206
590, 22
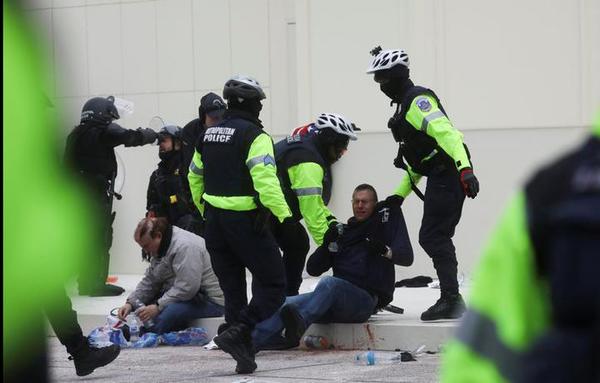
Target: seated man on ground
179, 285
362, 259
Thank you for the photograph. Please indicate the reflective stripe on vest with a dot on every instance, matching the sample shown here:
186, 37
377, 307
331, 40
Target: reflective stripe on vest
264, 159
235, 203
308, 191
479, 333
195, 169
427, 119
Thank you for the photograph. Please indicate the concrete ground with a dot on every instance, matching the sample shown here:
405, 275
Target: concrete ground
384, 331
194, 364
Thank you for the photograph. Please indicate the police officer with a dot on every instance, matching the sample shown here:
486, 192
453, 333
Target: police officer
304, 167
168, 190
90, 151
233, 173
428, 146
210, 112
534, 312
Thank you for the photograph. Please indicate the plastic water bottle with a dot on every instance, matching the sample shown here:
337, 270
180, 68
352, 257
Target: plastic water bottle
315, 342
333, 246
138, 304
134, 328
371, 358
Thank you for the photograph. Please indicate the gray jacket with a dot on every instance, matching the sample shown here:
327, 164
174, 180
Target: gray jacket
183, 273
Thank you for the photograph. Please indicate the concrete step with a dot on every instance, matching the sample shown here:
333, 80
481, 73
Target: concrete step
383, 331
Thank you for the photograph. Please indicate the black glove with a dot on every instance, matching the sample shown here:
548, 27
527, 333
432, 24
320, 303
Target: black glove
394, 200
469, 182
332, 234
376, 247
148, 135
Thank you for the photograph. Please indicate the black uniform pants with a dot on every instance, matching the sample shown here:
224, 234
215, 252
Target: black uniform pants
63, 320
442, 209
234, 246
294, 243
95, 268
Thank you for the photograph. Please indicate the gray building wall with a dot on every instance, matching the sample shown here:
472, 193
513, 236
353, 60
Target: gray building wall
520, 79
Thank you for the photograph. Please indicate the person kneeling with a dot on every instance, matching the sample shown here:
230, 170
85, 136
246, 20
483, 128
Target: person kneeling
362, 255
179, 285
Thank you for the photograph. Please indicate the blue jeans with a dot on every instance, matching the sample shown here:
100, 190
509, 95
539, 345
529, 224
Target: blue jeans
177, 316
333, 300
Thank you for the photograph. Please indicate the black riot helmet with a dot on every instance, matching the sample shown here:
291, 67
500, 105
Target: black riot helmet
172, 131
99, 110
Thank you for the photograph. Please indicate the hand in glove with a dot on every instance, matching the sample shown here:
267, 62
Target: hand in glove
148, 135
469, 182
288, 231
378, 248
394, 200
332, 234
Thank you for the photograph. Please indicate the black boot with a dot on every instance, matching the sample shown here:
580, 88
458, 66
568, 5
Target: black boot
237, 342
106, 291
222, 327
294, 325
449, 306
88, 358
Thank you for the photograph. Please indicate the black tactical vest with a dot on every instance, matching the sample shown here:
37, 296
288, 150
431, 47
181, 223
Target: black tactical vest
172, 188
421, 151
295, 150
85, 152
224, 150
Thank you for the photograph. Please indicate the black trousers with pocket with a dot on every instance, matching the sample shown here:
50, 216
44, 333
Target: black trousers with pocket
442, 210
236, 244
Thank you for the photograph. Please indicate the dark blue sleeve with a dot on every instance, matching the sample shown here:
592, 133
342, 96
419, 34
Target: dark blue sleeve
319, 262
396, 237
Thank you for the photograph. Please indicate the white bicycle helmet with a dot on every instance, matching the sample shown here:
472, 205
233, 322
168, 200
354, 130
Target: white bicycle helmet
338, 124
244, 87
387, 59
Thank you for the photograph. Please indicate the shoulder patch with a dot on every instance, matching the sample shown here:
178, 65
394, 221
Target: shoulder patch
268, 160
424, 104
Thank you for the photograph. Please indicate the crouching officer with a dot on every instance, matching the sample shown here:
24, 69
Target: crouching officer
168, 190
534, 312
90, 152
432, 147
233, 173
304, 168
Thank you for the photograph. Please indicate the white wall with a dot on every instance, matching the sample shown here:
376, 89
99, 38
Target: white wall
520, 79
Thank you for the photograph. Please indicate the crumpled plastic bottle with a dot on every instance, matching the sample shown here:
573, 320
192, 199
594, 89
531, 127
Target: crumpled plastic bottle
100, 337
193, 336
149, 339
